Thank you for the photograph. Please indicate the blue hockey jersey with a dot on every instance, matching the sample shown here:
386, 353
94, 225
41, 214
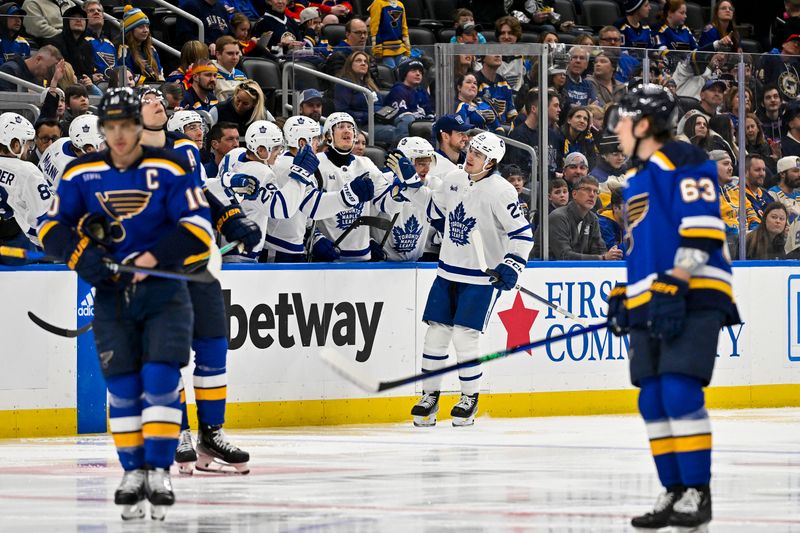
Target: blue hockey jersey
681, 38
14, 47
499, 95
104, 53
671, 202
641, 37
153, 200
410, 100
476, 114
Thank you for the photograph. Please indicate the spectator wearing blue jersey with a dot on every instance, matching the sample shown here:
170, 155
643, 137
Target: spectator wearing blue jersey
246, 7
103, 51
721, 34
12, 44
200, 95
755, 174
633, 28
578, 91
577, 136
283, 31
509, 31
139, 53
228, 76
471, 108
409, 96
673, 34
783, 69
495, 90
310, 25
611, 220
212, 13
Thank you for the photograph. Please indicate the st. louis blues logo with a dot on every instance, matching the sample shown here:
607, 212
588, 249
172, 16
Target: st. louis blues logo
460, 225
634, 212
344, 219
406, 238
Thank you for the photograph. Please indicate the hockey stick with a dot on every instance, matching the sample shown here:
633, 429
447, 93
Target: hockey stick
344, 366
388, 231
375, 222
206, 276
478, 240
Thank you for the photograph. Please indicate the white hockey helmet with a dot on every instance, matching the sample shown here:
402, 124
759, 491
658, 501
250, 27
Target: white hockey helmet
337, 118
263, 133
183, 118
15, 126
414, 147
490, 145
300, 127
84, 130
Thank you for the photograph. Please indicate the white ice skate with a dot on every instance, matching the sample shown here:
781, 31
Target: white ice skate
130, 495
424, 412
216, 454
158, 488
185, 455
463, 412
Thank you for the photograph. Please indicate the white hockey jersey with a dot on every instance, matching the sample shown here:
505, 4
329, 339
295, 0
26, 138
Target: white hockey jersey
25, 195
55, 159
355, 247
229, 160
490, 205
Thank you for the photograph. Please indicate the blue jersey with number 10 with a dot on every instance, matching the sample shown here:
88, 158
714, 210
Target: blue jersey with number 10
672, 202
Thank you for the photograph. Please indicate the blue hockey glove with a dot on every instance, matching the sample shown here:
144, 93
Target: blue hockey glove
667, 310
303, 165
324, 250
617, 316
235, 226
505, 274
90, 262
403, 168
376, 251
361, 189
245, 185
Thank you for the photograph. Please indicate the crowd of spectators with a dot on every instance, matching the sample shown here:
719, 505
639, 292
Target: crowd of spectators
75, 53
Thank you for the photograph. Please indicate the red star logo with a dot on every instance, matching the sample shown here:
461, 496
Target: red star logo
518, 322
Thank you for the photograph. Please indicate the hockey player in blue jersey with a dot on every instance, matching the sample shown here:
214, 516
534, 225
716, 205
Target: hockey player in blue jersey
678, 297
210, 335
141, 205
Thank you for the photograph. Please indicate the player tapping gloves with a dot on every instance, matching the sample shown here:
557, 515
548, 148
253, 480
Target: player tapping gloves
677, 298
24, 193
84, 138
475, 197
209, 332
140, 204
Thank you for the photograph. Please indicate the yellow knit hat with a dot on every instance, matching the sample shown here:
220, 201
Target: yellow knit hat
133, 18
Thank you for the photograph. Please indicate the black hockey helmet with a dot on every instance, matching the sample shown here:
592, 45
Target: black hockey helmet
119, 103
646, 100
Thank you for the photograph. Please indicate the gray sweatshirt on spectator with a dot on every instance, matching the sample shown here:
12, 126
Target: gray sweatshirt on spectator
573, 237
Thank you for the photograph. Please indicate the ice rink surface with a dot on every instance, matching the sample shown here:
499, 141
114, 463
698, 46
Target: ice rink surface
565, 474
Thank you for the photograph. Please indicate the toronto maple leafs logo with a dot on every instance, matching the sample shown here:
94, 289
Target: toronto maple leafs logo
406, 238
86, 128
344, 219
460, 225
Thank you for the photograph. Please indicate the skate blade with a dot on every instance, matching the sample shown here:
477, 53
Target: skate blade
158, 512
463, 422
132, 512
186, 469
696, 529
424, 421
216, 466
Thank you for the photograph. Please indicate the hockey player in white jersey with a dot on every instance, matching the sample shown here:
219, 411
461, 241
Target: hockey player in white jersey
190, 123
285, 238
84, 138
25, 195
411, 234
340, 167
462, 296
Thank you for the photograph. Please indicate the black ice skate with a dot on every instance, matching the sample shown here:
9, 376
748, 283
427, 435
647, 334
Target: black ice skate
424, 412
185, 455
158, 488
659, 516
217, 454
463, 412
692, 512
130, 495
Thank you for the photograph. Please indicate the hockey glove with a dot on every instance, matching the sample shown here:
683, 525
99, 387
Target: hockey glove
90, 262
235, 226
324, 250
376, 250
361, 189
403, 168
667, 307
245, 185
617, 319
505, 274
304, 165
100, 230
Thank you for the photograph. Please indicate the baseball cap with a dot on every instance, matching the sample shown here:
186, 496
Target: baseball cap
714, 83
310, 94
469, 28
575, 159
718, 155
609, 144
788, 162
450, 123
12, 9
792, 37
307, 14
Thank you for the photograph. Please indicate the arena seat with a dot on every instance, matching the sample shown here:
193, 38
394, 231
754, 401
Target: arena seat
377, 155
750, 46
334, 33
421, 37
695, 20
441, 10
599, 13
566, 8
421, 128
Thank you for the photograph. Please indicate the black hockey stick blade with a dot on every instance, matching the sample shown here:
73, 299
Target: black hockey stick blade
375, 222
345, 366
55, 330
203, 276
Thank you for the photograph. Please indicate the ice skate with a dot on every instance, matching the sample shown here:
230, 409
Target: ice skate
217, 454
185, 455
659, 516
463, 412
692, 513
424, 411
130, 495
158, 488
